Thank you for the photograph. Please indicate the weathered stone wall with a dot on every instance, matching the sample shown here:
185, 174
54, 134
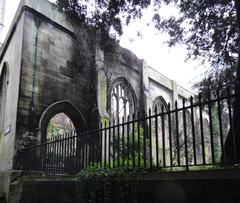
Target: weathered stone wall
12, 57
125, 65
48, 73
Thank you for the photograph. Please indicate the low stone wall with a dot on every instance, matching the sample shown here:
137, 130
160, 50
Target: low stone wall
180, 187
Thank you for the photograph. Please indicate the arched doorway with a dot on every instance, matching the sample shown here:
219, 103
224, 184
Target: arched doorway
61, 133
65, 115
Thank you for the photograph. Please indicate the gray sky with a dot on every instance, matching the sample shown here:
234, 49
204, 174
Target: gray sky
150, 47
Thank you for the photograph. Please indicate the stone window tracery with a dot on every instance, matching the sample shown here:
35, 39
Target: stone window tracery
121, 101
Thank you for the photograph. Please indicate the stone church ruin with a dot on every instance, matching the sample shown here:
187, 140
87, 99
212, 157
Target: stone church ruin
38, 80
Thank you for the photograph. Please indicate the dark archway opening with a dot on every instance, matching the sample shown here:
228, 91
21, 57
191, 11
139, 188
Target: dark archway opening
68, 112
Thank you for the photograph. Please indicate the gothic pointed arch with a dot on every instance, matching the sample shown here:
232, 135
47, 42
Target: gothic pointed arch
158, 103
4, 80
162, 127
121, 99
67, 108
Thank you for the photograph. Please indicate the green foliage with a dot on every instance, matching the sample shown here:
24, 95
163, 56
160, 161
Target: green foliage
106, 186
220, 81
135, 148
104, 15
211, 32
52, 130
120, 184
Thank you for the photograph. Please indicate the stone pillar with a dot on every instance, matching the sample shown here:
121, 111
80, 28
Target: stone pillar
146, 99
102, 90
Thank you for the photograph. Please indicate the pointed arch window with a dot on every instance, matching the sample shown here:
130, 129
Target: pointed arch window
162, 130
121, 100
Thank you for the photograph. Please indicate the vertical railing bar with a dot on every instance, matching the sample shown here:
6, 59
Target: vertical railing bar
156, 136
133, 142
211, 129
128, 144
123, 142
170, 134
177, 133
105, 145
62, 153
58, 151
75, 151
54, 155
118, 143
114, 144
65, 152
70, 152
49, 158
144, 141
54, 162
79, 150
85, 150
83, 141
150, 138
201, 129
231, 126
35, 154
90, 148
36, 158
109, 145
41, 156
193, 132
163, 135
101, 145
185, 134
46, 157
57, 144
138, 143
220, 127
51, 149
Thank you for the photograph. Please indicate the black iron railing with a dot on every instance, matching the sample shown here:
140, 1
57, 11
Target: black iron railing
192, 135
